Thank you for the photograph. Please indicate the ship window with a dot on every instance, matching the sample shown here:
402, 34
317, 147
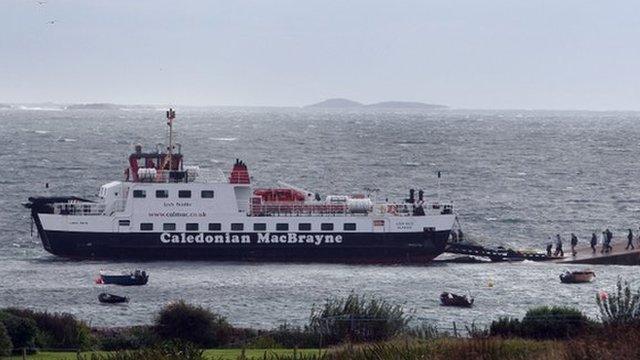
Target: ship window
349, 227
282, 227
169, 226
192, 226
214, 227
259, 227
139, 193
184, 193
304, 227
162, 194
146, 226
124, 222
206, 194
326, 226
237, 227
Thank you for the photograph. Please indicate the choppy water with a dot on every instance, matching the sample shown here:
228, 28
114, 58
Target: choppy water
516, 177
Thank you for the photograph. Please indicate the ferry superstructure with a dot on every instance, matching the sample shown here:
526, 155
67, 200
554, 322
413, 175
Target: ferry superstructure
163, 210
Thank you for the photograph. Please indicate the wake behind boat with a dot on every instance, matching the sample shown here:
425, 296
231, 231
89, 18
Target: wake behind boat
163, 210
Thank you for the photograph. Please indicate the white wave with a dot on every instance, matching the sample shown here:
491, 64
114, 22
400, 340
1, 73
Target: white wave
41, 131
409, 163
224, 139
39, 108
66, 140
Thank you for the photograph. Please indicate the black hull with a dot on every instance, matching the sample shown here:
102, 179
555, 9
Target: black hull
376, 248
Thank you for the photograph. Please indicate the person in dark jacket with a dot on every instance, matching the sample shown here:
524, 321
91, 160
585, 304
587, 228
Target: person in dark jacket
559, 246
630, 240
594, 242
549, 247
574, 242
609, 238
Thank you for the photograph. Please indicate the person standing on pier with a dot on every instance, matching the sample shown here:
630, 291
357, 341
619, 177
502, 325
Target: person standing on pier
549, 246
609, 238
574, 242
559, 246
594, 242
630, 240
604, 242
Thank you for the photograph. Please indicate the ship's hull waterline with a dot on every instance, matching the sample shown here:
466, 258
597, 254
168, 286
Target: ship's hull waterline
373, 248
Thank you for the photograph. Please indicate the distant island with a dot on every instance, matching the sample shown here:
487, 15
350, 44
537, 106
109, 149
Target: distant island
336, 103
405, 105
95, 106
339, 103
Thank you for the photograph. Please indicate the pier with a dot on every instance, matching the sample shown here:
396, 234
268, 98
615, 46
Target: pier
617, 256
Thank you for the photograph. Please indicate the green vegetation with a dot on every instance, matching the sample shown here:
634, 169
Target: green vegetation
212, 354
56, 330
358, 318
620, 307
5, 341
353, 327
543, 323
554, 323
22, 331
182, 321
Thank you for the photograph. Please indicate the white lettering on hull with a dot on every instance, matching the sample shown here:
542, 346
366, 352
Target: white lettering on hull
261, 238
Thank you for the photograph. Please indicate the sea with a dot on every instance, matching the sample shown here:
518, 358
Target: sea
515, 177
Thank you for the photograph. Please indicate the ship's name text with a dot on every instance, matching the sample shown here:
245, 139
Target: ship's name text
260, 238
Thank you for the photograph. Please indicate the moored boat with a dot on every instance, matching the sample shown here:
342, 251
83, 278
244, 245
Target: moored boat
575, 277
136, 277
106, 298
164, 209
449, 299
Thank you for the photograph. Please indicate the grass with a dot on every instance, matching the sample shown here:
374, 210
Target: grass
217, 354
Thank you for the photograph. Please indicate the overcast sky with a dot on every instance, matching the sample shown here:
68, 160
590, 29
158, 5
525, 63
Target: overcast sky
560, 54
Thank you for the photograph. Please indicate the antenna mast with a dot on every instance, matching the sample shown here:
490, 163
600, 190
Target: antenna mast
171, 114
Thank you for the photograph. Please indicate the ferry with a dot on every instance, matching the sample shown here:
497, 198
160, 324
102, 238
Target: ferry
165, 210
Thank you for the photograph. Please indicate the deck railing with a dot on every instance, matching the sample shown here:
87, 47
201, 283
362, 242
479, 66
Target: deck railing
276, 208
80, 208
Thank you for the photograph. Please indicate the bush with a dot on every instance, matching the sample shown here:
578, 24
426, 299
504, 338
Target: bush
57, 330
621, 307
130, 338
288, 336
425, 331
505, 327
357, 318
5, 341
617, 341
22, 331
554, 323
195, 324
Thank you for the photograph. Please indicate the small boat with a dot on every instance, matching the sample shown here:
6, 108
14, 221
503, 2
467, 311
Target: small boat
449, 299
575, 277
112, 299
137, 277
